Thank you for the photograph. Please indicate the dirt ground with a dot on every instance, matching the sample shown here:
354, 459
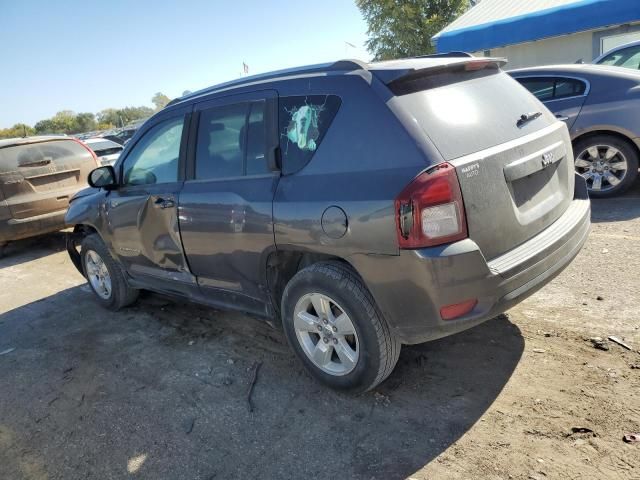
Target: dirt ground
159, 390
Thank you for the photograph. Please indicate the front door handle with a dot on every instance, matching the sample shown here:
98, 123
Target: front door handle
164, 203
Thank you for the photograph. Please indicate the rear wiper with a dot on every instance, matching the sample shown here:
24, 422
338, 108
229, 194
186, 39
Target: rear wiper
35, 162
526, 118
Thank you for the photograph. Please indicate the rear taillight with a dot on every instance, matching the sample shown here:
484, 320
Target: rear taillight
93, 154
430, 210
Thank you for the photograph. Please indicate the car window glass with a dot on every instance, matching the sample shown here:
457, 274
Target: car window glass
303, 122
566, 87
542, 88
632, 61
154, 159
610, 59
220, 143
553, 88
257, 140
629, 58
41, 154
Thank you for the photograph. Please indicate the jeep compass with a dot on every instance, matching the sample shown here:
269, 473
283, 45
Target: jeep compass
359, 206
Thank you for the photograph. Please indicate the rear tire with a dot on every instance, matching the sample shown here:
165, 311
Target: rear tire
106, 278
585, 162
334, 326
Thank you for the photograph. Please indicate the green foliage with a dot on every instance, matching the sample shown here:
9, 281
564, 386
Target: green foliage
403, 28
108, 116
45, 126
18, 130
122, 116
85, 122
69, 122
160, 100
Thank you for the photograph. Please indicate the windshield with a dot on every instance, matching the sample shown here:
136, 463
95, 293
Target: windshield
454, 114
627, 57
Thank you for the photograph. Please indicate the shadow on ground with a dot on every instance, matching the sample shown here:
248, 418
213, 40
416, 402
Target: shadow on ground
160, 390
616, 209
32, 248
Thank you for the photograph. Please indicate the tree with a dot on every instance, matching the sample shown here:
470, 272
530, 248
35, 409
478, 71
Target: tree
111, 117
130, 114
403, 28
67, 121
85, 122
64, 122
45, 126
18, 130
108, 116
160, 100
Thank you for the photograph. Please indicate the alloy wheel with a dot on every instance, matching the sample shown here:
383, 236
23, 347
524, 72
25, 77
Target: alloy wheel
326, 334
602, 166
98, 274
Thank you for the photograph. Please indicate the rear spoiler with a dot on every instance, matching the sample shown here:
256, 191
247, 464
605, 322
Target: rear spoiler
396, 71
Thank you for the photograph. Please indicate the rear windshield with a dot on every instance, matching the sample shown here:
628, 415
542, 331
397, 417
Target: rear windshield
40, 154
467, 112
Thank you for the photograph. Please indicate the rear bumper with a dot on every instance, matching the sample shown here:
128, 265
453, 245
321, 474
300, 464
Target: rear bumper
19, 228
411, 288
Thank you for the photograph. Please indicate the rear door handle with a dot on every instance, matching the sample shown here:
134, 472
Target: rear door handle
561, 117
164, 203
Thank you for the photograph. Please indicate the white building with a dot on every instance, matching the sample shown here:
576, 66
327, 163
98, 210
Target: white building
539, 32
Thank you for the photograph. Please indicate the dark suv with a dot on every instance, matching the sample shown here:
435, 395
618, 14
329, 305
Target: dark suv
362, 206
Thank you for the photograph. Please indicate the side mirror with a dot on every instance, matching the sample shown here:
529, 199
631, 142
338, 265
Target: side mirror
103, 177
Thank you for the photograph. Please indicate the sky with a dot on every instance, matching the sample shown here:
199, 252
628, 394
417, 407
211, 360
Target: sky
86, 55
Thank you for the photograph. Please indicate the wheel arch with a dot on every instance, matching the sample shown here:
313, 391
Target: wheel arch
612, 133
73, 241
282, 265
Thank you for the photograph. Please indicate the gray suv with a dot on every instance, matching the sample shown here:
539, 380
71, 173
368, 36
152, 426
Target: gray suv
359, 206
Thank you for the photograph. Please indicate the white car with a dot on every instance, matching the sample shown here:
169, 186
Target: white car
106, 150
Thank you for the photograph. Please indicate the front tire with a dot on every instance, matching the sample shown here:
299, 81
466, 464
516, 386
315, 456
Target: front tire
106, 278
608, 164
334, 326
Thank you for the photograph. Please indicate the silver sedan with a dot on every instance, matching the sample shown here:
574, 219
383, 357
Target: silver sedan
601, 106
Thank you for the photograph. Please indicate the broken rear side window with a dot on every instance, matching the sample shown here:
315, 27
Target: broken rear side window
303, 122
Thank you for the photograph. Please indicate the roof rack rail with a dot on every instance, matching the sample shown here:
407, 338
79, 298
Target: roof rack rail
347, 64
338, 66
446, 54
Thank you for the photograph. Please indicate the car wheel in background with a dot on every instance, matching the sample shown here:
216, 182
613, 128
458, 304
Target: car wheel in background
104, 275
608, 164
332, 323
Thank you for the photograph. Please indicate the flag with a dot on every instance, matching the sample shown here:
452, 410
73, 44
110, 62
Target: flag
245, 68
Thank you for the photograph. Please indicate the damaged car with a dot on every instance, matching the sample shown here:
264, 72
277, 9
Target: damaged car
361, 207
